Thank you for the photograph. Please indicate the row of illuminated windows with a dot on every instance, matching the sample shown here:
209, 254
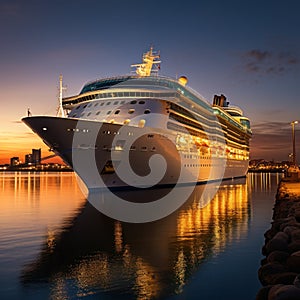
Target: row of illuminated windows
196, 165
172, 126
102, 103
118, 95
192, 156
132, 148
97, 113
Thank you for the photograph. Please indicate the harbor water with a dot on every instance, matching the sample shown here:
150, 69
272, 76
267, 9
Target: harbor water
55, 245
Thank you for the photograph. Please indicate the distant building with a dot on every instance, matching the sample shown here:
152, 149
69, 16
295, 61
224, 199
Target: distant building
28, 159
33, 158
36, 156
14, 161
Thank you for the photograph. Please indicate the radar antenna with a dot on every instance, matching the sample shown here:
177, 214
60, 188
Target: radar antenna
150, 64
60, 111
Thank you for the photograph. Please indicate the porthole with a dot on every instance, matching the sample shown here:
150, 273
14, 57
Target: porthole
133, 102
147, 111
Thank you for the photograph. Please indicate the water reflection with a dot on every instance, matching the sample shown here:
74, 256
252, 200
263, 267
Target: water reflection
95, 255
263, 181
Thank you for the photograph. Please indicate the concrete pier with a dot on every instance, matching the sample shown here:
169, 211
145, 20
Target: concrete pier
280, 269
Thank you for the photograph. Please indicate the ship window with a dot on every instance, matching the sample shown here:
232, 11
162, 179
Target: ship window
132, 94
142, 102
126, 94
84, 106
107, 103
144, 148
120, 94
74, 116
147, 111
89, 114
131, 111
122, 102
98, 112
101, 104
45, 128
138, 94
133, 102
132, 148
81, 115
116, 102
78, 107
117, 112
108, 112
96, 104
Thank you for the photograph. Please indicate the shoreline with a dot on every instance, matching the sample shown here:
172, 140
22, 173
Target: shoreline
280, 269
38, 171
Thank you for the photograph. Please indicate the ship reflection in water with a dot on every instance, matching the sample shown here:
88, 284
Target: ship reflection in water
95, 255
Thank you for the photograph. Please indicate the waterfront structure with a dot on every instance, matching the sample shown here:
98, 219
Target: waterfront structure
294, 142
34, 157
28, 159
14, 161
118, 124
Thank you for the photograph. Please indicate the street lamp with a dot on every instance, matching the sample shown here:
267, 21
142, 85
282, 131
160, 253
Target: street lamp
294, 145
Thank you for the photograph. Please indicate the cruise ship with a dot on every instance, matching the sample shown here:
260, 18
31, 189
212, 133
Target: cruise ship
144, 130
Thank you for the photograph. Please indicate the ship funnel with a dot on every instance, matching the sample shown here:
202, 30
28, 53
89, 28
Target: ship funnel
220, 101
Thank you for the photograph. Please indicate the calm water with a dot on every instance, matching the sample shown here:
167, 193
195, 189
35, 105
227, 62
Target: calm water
55, 245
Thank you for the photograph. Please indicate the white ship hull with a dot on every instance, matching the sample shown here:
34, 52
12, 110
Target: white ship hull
96, 151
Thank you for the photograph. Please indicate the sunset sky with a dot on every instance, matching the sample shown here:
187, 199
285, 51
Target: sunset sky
247, 50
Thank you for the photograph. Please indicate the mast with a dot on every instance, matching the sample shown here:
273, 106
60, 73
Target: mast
150, 64
60, 111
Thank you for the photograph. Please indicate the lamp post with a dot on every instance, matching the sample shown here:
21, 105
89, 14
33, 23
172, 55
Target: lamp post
294, 145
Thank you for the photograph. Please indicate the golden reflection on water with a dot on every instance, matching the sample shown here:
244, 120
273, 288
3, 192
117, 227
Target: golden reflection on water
209, 229
85, 252
263, 181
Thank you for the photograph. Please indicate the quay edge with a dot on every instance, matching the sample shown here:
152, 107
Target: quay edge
280, 268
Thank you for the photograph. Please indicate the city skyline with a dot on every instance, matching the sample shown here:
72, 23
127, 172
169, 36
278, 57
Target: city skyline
248, 51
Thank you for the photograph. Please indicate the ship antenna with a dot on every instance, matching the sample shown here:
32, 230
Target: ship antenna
150, 64
60, 111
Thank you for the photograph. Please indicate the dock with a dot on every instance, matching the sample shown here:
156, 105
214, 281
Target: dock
280, 269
